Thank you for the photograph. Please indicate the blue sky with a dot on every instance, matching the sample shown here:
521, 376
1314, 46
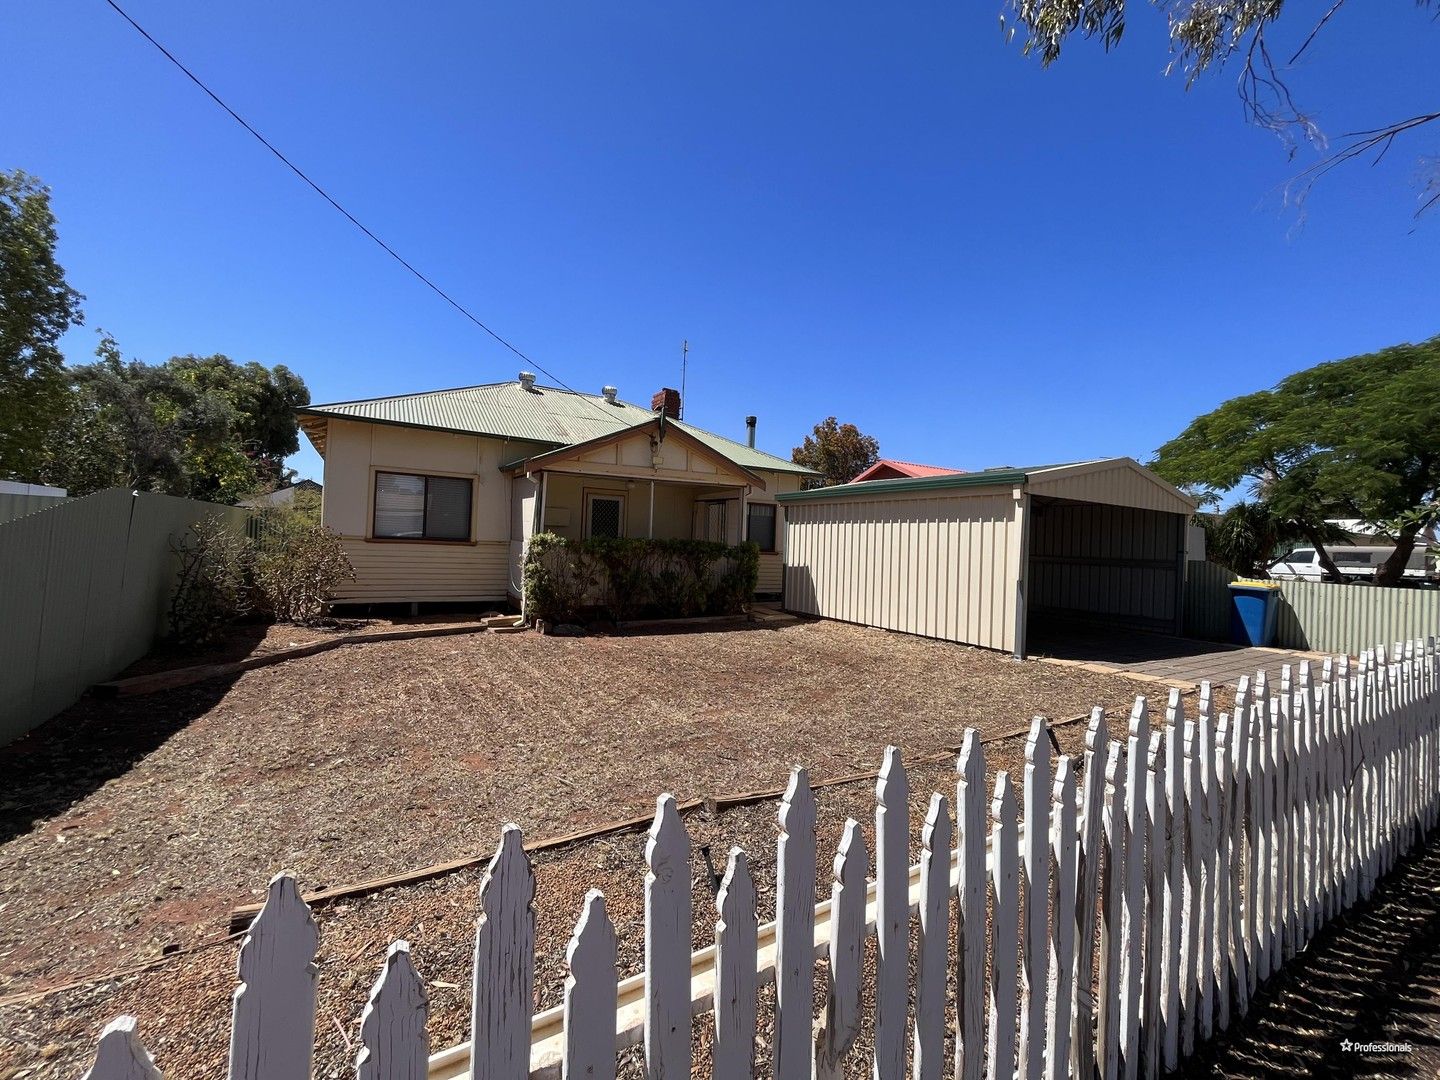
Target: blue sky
876, 212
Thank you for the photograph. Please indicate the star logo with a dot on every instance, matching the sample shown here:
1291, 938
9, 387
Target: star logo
1345, 1045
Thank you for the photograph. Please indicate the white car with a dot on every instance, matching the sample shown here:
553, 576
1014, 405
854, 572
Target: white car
1358, 563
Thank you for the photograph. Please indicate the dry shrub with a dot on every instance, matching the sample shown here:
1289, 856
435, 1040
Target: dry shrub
212, 588
296, 569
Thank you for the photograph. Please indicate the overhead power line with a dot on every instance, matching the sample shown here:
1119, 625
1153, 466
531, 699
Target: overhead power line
461, 308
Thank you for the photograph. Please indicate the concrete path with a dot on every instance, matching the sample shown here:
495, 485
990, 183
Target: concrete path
1174, 660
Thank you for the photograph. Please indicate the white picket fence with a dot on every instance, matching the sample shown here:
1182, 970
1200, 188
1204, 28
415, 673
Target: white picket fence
1134, 914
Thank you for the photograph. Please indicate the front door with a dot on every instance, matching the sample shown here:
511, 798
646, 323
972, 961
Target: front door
710, 521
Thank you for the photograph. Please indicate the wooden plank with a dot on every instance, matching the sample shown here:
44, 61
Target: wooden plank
1157, 855
1286, 776
187, 676
840, 1025
970, 988
1133, 900
1177, 816
1064, 888
590, 995
1088, 873
1241, 867
1205, 904
1035, 935
503, 973
795, 927
120, 1055
1192, 917
1005, 905
1112, 939
892, 916
240, 917
667, 944
1220, 802
272, 1033
934, 941
735, 980
394, 1044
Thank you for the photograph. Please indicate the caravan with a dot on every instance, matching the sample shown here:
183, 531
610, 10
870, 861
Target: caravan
1356, 563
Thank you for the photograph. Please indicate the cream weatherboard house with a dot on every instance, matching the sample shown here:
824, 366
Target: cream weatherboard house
436, 494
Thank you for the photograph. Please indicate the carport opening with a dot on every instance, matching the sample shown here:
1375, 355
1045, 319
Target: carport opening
1094, 567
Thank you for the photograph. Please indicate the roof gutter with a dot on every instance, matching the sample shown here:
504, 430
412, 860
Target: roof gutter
990, 478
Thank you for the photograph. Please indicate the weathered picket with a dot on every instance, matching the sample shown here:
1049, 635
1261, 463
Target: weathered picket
1212, 848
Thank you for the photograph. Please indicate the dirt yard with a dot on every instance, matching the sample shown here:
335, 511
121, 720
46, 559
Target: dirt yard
134, 825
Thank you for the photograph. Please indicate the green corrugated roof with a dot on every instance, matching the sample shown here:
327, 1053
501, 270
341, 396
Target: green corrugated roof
545, 415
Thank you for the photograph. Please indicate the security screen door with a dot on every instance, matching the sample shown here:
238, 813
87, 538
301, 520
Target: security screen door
605, 516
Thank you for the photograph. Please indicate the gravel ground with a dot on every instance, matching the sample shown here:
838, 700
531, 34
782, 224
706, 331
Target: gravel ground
146, 819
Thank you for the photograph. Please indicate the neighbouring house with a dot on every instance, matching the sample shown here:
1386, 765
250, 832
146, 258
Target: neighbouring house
436, 494
890, 469
993, 558
283, 496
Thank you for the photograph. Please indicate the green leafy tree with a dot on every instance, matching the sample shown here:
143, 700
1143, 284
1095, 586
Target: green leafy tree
1250, 534
202, 427
1205, 35
1352, 438
36, 307
840, 451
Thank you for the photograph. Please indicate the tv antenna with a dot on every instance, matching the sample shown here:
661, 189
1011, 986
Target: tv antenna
684, 365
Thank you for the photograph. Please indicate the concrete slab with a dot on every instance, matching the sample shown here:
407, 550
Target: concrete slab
1179, 661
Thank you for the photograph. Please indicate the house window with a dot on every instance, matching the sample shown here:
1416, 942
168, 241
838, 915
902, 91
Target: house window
605, 516
760, 525
411, 507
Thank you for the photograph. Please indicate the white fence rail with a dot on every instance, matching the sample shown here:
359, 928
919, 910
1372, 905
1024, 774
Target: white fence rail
1211, 850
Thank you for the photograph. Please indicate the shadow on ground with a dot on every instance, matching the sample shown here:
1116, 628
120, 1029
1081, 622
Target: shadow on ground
1371, 976
72, 754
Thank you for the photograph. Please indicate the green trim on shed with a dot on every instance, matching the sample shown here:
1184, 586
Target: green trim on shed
988, 478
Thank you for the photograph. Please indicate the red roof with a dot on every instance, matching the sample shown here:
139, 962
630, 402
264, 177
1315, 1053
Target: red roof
891, 469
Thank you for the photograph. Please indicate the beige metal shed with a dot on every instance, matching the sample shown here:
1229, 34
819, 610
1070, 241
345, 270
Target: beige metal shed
983, 557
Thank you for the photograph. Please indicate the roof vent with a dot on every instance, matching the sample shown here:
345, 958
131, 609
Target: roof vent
527, 381
610, 392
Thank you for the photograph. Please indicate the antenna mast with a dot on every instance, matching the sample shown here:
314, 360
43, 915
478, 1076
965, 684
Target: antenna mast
684, 364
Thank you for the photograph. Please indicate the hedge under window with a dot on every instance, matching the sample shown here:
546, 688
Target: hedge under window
761, 526
421, 507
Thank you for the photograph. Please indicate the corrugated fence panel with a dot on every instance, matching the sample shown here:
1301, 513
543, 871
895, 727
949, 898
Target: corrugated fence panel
84, 587
1348, 618
1207, 600
1316, 615
938, 567
18, 506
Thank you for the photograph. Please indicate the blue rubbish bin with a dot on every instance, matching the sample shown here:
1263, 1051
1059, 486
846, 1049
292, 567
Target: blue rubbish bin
1253, 608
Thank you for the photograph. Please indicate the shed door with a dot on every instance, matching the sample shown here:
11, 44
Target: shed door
1109, 564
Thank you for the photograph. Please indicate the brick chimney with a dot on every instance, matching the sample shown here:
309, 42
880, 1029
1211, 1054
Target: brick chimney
668, 402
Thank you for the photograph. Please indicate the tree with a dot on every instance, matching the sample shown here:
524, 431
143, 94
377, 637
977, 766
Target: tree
36, 307
1205, 35
201, 427
1352, 438
839, 451
1248, 535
